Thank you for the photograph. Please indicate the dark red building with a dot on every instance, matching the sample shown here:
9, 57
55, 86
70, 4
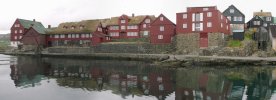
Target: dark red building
129, 26
19, 28
35, 36
202, 20
162, 30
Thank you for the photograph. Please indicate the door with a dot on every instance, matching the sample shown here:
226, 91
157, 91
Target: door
203, 41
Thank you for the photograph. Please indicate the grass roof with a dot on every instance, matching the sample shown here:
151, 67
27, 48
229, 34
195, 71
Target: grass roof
78, 27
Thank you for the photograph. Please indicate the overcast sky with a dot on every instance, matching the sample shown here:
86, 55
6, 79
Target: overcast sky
54, 12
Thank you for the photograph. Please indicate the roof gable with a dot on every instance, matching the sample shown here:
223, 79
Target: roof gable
35, 25
236, 11
164, 19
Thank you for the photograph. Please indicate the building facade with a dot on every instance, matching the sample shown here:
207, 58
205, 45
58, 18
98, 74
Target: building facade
237, 20
162, 30
201, 27
129, 26
19, 28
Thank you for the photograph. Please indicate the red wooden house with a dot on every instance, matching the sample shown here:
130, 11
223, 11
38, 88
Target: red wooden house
162, 30
19, 28
34, 37
202, 20
129, 26
83, 33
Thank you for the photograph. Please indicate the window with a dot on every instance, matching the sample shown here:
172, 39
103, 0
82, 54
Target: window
56, 36
162, 28
144, 25
232, 10
209, 14
62, 36
73, 35
132, 27
209, 24
20, 37
114, 34
221, 16
184, 25
184, 16
256, 23
221, 25
20, 31
160, 37
147, 21
99, 29
268, 18
82, 35
123, 21
265, 24
15, 31
65, 27
205, 9
229, 18
69, 35
132, 33
77, 35
197, 17
87, 35
146, 33
197, 27
15, 37
226, 27
237, 18
16, 25
114, 28
123, 27
161, 18
81, 27
72, 27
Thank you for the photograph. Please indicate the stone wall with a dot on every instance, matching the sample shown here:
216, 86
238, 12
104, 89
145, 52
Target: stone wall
187, 43
216, 40
141, 48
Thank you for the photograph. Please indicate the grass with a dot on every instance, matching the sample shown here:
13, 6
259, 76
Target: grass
234, 43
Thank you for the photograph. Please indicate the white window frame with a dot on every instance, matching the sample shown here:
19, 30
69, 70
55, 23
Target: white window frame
185, 25
77, 36
69, 36
56, 36
162, 28
205, 9
229, 18
15, 37
209, 14
185, 16
20, 31
160, 37
147, 21
123, 21
161, 18
146, 33
268, 18
123, 27
209, 24
221, 25
144, 25
15, 31
232, 11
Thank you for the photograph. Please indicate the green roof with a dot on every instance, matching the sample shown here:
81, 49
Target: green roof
36, 25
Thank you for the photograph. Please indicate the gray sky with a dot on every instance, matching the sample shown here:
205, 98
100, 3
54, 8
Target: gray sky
54, 12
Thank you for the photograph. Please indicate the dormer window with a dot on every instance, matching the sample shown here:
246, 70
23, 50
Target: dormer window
17, 25
81, 27
73, 27
232, 11
161, 18
99, 29
65, 27
147, 21
268, 18
123, 21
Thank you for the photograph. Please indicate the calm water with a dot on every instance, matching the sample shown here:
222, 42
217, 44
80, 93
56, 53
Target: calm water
31, 78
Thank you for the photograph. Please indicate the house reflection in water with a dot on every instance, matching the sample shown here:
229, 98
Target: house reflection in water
28, 72
201, 84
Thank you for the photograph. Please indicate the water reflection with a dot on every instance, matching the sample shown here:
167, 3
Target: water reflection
141, 79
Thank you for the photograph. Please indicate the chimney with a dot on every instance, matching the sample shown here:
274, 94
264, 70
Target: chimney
33, 20
32, 25
261, 10
49, 26
133, 15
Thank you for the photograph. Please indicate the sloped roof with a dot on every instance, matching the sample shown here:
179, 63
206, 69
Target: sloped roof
88, 26
235, 9
36, 25
261, 13
132, 20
